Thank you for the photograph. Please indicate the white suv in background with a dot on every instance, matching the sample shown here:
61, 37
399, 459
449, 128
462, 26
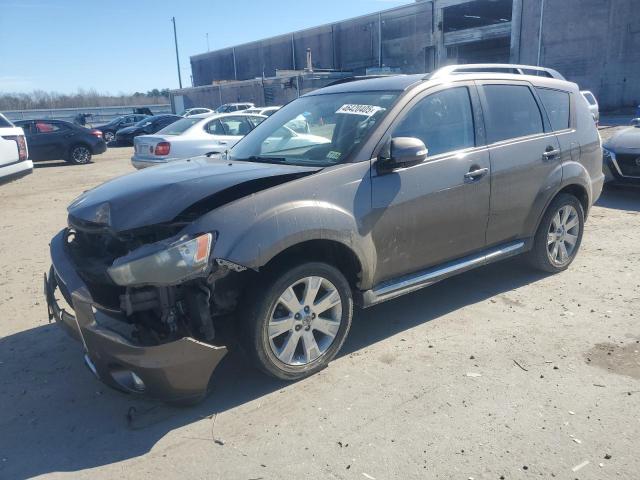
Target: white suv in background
13, 152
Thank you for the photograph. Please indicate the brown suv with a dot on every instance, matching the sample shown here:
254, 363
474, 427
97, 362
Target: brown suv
402, 181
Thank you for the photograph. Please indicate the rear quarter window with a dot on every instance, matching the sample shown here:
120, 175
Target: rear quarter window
556, 103
511, 112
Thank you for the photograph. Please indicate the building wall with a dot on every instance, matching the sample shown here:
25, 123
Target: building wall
595, 43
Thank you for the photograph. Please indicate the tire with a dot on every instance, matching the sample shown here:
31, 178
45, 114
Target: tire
562, 224
79, 154
302, 341
109, 136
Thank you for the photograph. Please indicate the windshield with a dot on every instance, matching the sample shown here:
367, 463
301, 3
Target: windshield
318, 130
182, 125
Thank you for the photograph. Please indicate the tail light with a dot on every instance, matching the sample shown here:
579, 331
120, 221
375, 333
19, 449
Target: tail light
22, 145
162, 148
95, 133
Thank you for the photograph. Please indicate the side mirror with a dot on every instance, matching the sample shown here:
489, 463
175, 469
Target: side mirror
401, 152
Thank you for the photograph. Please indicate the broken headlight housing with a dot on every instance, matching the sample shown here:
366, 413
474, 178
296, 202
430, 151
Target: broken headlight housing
169, 266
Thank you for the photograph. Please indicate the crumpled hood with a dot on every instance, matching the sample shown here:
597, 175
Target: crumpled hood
159, 194
628, 139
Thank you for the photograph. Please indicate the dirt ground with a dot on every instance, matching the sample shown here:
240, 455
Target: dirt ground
499, 373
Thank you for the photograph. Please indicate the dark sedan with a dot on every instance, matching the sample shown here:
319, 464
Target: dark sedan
622, 157
147, 126
57, 139
109, 129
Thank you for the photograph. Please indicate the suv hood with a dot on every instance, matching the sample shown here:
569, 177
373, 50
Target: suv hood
159, 194
628, 139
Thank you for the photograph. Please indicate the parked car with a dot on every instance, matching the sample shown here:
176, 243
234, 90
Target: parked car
208, 135
109, 129
621, 160
60, 140
266, 111
594, 108
203, 134
189, 112
233, 107
14, 153
418, 178
146, 126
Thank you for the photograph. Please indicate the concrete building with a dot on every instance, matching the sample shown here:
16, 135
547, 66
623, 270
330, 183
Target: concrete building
595, 43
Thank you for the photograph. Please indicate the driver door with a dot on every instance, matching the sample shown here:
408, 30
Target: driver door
435, 211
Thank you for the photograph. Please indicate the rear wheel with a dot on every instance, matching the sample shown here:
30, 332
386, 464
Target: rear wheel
559, 235
109, 137
296, 321
79, 155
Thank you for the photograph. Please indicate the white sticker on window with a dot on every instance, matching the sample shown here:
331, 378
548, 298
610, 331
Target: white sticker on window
366, 110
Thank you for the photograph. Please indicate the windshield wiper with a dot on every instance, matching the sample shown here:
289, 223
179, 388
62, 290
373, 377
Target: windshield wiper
255, 158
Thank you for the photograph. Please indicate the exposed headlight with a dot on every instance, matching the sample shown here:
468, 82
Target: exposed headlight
173, 265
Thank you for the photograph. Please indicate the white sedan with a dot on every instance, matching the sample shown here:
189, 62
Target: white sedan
210, 135
203, 134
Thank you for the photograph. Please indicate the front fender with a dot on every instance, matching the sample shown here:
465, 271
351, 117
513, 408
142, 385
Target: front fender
330, 205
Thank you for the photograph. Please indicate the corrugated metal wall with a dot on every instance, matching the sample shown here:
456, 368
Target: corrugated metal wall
351, 45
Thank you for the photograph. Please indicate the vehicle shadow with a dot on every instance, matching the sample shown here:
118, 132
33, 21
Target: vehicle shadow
52, 164
620, 198
55, 417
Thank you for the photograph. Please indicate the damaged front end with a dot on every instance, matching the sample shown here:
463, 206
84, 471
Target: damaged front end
144, 303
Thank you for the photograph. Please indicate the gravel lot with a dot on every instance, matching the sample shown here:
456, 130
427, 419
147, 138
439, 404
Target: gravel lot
499, 373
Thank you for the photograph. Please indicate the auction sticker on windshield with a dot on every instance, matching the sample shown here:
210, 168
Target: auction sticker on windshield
367, 110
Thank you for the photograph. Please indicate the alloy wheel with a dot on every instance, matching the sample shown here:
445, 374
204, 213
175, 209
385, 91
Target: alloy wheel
563, 235
108, 137
81, 154
304, 321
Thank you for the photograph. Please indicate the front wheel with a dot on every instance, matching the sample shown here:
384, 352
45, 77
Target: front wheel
109, 136
296, 321
79, 155
559, 235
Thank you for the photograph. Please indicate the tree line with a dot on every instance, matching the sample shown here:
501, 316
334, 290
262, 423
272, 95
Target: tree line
40, 99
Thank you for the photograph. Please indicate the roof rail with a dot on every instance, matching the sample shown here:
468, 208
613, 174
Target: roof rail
358, 77
496, 68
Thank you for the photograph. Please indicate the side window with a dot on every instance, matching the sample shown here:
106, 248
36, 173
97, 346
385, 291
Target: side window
511, 112
443, 121
214, 128
46, 127
556, 103
236, 125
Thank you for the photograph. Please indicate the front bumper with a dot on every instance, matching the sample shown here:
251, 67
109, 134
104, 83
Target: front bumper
178, 371
613, 173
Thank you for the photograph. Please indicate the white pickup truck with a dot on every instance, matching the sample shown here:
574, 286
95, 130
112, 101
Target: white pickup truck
13, 152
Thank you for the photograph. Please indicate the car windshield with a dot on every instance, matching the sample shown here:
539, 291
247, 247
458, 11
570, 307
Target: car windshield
318, 130
179, 127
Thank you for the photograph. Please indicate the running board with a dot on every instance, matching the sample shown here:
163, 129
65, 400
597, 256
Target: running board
415, 281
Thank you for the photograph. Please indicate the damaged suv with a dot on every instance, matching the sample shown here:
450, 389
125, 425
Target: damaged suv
410, 180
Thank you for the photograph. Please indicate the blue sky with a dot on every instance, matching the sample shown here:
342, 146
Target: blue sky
125, 46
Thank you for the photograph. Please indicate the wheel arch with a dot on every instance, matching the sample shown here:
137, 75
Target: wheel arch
577, 190
333, 252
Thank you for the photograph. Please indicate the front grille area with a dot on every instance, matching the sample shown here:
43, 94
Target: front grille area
629, 164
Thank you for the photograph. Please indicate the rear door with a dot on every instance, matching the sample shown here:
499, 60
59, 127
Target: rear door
435, 211
48, 140
235, 127
525, 158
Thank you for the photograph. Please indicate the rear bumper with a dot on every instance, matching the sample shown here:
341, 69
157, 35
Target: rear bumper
100, 147
139, 161
175, 371
15, 171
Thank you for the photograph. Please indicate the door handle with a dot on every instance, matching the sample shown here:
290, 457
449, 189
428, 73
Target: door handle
550, 153
474, 175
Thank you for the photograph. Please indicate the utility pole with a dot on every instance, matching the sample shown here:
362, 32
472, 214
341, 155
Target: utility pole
175, 38
208, 42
